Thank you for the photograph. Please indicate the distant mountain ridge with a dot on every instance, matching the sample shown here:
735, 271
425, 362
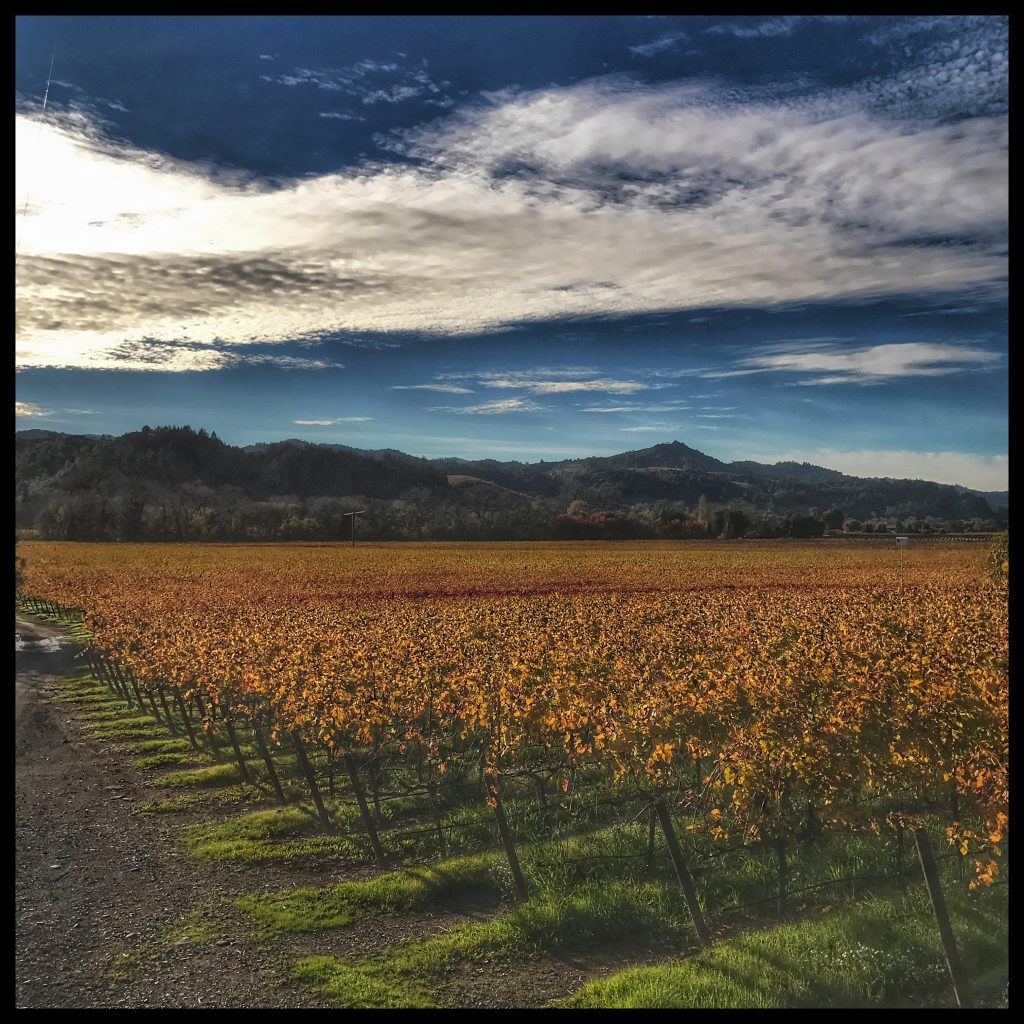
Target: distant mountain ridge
166, 466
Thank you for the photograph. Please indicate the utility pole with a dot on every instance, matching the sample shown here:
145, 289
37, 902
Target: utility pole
353, 515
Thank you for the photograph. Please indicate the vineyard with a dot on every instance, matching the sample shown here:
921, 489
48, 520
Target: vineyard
657, 707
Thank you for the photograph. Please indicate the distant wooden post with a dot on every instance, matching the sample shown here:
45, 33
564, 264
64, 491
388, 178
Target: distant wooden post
353, 515
931, 878
682, 872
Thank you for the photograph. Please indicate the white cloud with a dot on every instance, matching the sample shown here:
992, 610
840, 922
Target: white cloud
396, 94
328, 423
662, 43
448, 389
556, 381
608, 197
874, 364
982, 472
500, 405
174, 357
762, 29
561, 387
30, 409
638, 407
654, 428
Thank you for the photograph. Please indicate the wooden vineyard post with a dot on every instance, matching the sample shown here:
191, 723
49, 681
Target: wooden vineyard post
115, 677
152, 704
242, 766
210, 731
167, 711
307, 771
682, 872
90, 660
185, 717
98, 670
507, 842
134, 684
371, 830
261, 746
149, 694
107, 677
931, 878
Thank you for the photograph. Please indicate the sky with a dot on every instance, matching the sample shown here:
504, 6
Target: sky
521, 237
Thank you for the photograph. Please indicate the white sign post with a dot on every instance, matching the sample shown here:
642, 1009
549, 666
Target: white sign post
901, 543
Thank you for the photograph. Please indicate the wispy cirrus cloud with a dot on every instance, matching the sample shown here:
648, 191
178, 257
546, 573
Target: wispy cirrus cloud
338, 116
767, 29
558, 381
666, 42
871, 364
329, 423
638, 407
652, 428
369, 81
565, 387
448, 389
495, 408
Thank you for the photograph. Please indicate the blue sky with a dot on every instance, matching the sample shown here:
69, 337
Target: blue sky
525, 238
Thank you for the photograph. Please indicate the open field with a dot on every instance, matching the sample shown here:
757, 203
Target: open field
469, 774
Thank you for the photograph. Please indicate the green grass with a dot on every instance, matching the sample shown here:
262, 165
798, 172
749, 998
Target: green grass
138, 727
152, 761
94, 697
280, 834
351, 988
451, 881
172, 746
205, 799
211, 776
882, 952
595, 913
287, 834
114, 711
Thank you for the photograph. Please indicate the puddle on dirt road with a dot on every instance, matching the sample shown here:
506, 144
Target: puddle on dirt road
46, 645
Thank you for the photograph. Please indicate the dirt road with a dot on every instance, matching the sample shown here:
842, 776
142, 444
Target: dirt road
94, 881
